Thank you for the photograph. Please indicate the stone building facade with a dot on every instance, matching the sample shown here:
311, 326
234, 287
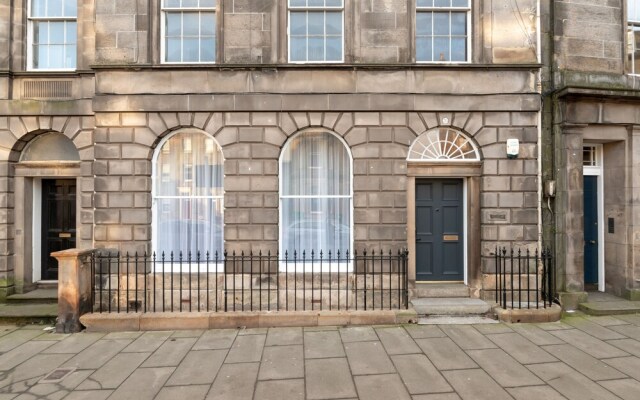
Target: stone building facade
123, 97
591, 138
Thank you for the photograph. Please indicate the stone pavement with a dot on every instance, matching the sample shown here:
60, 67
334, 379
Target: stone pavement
581, 357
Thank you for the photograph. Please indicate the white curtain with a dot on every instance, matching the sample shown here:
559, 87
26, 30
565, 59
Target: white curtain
188, 195
315, 196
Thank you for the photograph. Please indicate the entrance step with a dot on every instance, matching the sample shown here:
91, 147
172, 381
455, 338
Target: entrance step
28, 313
38, 296
610, 307
47, 285
441, 290
450, 306
456, 320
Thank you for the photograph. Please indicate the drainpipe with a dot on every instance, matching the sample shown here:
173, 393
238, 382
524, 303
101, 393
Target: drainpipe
539, 90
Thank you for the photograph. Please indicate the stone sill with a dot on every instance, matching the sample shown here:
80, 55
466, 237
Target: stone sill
331, 66
116, 322
549, 314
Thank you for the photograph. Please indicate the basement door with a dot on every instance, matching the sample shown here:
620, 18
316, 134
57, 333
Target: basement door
58, 222
439, 230
591, 230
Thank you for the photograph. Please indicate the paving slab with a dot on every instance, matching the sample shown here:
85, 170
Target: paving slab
367, 358
234, 382
535, 393
487, 329
122, 335
424, 331
323, 344
445, 354
35, 367
504, 368
198, 368
89, 395
148, 342
475, 384
63, 388
247, 348
358, 334
22, 353
593, 329
14, 339
397, 341
605, 320
170, 353
114, 372
196, 333
629, 331
553, 326
282, 362
144, 383
632, 319
521, 349
96, 355
419, 374
627, 365
192, 392
216, 339
75, 343
467, 337
626, 389
589, 344
584, 363
290, 389
381, 387
628, 345
328, 378
284, 336
570, 383
437, 396
536, 335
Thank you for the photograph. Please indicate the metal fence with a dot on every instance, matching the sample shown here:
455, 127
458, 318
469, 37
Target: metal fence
177, 282
524, 279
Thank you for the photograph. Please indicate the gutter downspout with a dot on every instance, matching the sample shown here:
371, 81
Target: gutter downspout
539, 90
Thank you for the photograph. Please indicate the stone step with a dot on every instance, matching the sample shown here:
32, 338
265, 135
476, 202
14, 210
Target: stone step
610, 307
38, 296
441, 290
47, 285
28, 313
450, 306
456, 320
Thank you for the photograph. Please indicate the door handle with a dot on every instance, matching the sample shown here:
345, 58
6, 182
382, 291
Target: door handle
418, 240
592, 241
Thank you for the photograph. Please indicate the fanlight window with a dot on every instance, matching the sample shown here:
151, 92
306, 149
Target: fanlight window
443, 144
52, 146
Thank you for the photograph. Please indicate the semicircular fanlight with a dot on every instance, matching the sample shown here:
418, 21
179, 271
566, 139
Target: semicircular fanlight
443, 144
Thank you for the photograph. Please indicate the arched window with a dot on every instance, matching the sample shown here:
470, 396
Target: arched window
188, 195
443, 144
315, 194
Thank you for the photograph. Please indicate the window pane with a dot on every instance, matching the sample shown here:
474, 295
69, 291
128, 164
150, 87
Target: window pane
298, 23
190, 50
208, 24
172, 3
423, 49
207, 50
316, 23
458, 49
71, 56
441, 49
207, 3
298, 48
333, 22
442, 3
425, 3
424, 23
40, 32
334, 49
441, 23
315, 3
458, 23
190, 3
460, 3
54, 8
316, 49
174, 24
72, 32
190, 24
173, 50
56, 32
333, 3
56, 56
297, 3
38, 8
71, 8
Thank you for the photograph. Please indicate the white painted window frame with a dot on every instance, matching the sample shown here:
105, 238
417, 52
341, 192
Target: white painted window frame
186, 266
309, 266
469, 32
308, 9
476, 151
632, 25
597, 170
163, 15
30, 27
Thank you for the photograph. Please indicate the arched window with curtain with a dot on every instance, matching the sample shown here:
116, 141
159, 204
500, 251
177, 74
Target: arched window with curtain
315, 194
188, 195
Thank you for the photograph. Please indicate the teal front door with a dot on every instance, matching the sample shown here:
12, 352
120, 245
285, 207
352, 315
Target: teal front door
439, 230
590, 230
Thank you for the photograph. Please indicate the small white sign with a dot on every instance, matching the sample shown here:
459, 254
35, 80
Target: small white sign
513, 148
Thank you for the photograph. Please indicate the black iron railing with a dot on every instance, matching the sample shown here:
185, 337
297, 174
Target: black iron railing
177, 282
524, 279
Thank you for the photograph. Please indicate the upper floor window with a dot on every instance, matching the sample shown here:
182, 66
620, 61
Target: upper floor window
442, 30
52, 37
316, 30
633, 36
189, 31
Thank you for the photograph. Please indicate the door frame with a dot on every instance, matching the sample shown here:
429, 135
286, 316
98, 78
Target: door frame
28, 200
470, 173
597, 171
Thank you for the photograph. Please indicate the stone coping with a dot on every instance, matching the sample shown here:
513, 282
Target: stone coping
532, 315
114, 322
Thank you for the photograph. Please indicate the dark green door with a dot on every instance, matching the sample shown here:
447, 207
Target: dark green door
439, 230
58, 222
590, 230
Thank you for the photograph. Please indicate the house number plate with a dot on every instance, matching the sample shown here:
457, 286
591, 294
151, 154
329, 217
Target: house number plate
64, 235
450, 238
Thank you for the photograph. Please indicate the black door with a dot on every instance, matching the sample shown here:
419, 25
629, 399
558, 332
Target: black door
590, 230
439, 230
58, 222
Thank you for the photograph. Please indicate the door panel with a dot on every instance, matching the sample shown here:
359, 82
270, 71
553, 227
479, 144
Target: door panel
590, 230
439, 230
58, 222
